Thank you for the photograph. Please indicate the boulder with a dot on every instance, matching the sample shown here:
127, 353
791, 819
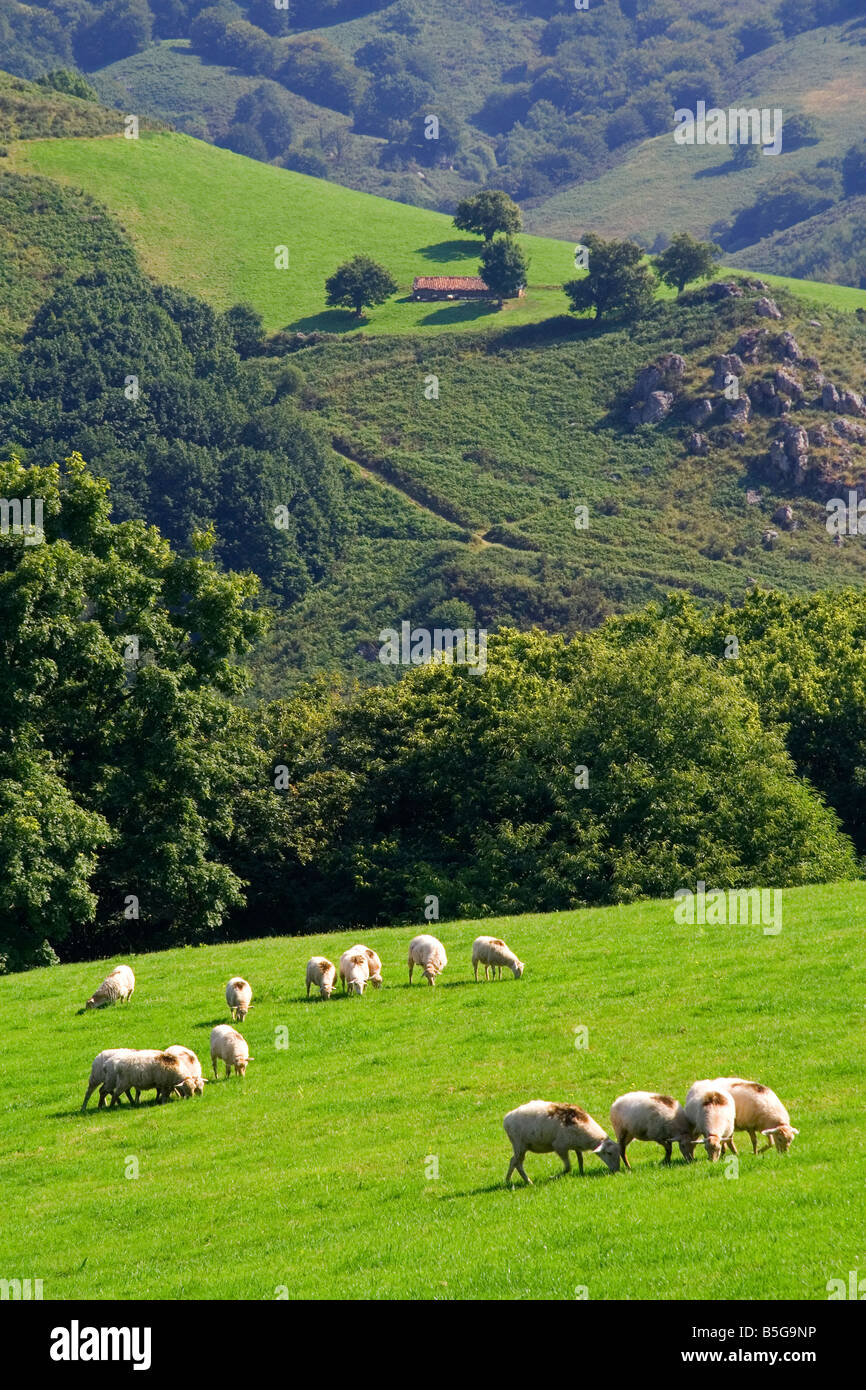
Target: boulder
768, 539
698, 412
787, 383
784, 517
789, 347
698, 444
724, 289
849, 429
740, 410
729, 364
767, 309
749, 344
829, 396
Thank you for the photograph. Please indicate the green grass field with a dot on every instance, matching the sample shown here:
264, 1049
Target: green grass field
314, 1173
208, 220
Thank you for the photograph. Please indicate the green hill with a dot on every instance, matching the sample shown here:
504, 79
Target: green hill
317, 1173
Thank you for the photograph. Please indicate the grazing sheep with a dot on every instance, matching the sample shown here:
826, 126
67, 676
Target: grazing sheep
654, 1118
354, 971
227, 1045
97, 1073
117, 986
373, 962
239, 996
322, 973
543, 1127
429, 953
145, 1070
489, 950
759, 1108
711, 1113
195, 1080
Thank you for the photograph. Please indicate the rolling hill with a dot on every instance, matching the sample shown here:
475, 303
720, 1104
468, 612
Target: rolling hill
363, 1154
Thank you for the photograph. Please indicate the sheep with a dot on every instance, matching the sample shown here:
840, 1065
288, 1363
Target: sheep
759, 1108
195, 1080
145, 1070
543, 1127
227, 1045
321, 972
97, 1073
373, 962
655, 1118
711, 1112
118, 985
239, 996
354, 971
490, 951
429, 953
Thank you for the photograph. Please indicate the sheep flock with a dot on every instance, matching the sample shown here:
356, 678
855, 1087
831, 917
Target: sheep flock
712, 1112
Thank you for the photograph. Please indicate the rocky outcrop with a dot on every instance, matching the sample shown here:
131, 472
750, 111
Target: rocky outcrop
749, 344
739, 411
699, 412
784, 517
787, 346
654, 409
698, 444
788, 383
768, 309
729, 364
724, 289
843, 402
655, 388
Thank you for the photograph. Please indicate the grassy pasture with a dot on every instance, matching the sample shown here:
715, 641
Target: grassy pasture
312, 1173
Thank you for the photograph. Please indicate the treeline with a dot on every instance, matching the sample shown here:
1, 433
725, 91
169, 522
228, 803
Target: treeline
152, 384
142, 805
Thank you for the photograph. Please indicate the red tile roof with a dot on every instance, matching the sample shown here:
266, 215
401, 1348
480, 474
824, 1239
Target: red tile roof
448, 282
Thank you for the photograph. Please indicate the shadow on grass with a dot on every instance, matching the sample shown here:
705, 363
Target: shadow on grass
328, 321
519, 1186
462, 311
455, 250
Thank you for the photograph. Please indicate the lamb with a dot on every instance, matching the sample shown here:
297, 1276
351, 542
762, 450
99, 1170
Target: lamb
711, 1113
97, 1073
195, 1081
354, 971
655, 1118
118, 985
239, 996
489, 950
759, 1108
543, 1127
321, 972
429, 953
227, 1045
373, 962
145, 1070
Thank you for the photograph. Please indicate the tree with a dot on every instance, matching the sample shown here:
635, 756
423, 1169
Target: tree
71, 83
618, 283
685, 260
854, 171
744, 156
487, 213
246, 327
122, 28
800, 129
504, 267
358, 282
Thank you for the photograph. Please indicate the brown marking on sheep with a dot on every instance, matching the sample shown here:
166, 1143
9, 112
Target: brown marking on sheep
712, 1098
494, 941
666, 1100
756, 1087
569, 1114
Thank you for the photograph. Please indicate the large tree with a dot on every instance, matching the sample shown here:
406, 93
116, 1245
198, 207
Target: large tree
617, 284
686, 260
359, 282
487, 213
504, 267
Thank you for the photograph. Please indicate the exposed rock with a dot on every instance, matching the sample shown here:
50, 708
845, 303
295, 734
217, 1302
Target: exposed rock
784, 517
850, 403
769, 539
818, 436
767, 309
830, 396
752, 496
667, 371
724, 289
789, 347
654, 409
729, 364
698, 412
739, 411
815, 323
749, 344
849, 429
796, 441
813, 365
787, 383
698, 444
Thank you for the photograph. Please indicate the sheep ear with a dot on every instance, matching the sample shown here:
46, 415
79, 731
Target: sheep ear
794, 1131
774, 1130
598, 1147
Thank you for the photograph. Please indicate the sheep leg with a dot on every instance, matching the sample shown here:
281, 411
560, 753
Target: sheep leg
731, 1147
580, 1161
768, 1145
475, 968
411, 968
566, 1161
754, 1138
214, 1065
308, 989
90, 1091
667, 1148
623, 1145
517, 1162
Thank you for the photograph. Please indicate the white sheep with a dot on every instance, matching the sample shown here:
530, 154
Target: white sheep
239, 994
490, 951
429, 953
373, 963
322, 973
543, 1127
654, 1118
711, 1112
144, 1070
117, 986
759, 1108
97, 1072
354, 971
195, 1079
227, 1045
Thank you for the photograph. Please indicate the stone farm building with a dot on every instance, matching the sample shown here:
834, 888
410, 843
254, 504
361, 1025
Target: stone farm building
449, 287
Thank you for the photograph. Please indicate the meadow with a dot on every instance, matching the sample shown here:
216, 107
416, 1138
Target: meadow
316, 1174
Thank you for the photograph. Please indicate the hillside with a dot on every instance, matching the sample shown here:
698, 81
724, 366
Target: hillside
317, 1172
